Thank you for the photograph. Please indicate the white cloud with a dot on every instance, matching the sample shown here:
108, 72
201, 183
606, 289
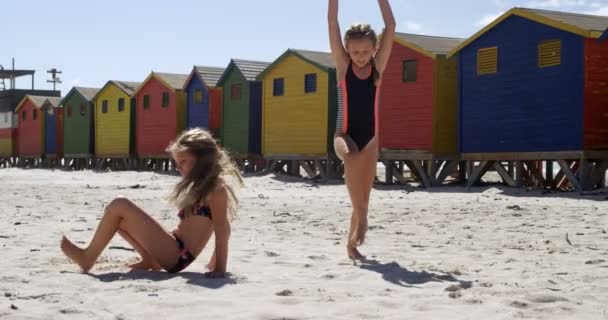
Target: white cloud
599, 7
413, 26
76, 82
559, 4
487, 19
599, 11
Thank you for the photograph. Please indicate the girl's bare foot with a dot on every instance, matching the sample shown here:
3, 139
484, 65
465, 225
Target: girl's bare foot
76, 254
353, 253
146, 265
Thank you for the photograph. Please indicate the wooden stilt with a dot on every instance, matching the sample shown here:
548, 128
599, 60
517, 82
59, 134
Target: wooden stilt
549, 173
448, 168
570, 175
388, 172
478, 172
504, 174
519, 173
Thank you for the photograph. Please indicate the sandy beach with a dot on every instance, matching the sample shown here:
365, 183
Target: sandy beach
445, 253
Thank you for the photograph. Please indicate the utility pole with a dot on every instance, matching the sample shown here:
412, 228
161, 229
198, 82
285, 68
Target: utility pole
54, 78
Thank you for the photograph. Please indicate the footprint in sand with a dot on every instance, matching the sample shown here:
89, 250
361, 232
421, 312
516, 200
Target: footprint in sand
598, 261
453, 288
473, 301
284, 293
519, 304
271, 254
317, 257
70, 311
455, 295
545, 298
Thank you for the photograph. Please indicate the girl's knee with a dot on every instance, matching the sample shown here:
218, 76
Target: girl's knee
340, 147
360, 208
118, 203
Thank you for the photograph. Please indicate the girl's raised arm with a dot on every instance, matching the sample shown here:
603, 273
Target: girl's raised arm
386, 43
338, 51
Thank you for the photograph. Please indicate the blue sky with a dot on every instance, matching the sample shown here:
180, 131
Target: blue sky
96, 41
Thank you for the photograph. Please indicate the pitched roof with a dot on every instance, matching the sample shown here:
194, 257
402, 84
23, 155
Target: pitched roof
322, 60
583, 21
584, 25
39, 101
54, 101
128, 87
431, 45
87, 93
208, 75
248, 68
176, 81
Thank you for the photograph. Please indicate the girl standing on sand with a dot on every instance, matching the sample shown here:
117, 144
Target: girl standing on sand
207, 203
360, 63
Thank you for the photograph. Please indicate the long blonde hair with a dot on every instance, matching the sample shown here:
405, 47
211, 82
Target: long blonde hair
212, 169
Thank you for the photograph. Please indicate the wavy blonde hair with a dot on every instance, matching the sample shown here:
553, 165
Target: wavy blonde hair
212, 169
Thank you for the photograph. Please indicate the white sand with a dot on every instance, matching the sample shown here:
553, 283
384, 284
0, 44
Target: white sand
503, 263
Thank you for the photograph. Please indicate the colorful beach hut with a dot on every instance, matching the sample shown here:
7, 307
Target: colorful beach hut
418, 105
299, 105
38, 125
160, 113
115, 119
78, 125
533, 81
204, 104
241, 127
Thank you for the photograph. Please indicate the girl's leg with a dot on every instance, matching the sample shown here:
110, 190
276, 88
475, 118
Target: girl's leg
124, 215
369, 162
353, 179
147, 261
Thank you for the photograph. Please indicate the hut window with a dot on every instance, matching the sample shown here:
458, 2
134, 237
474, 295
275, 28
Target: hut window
146, 102
104, 106
235, 92
6, 118
35, 116
310, 83
487, 61
69, 110
410, 71
83, 109
198, 96
165, 99
278, 88
121, 105
23, 115
549, 53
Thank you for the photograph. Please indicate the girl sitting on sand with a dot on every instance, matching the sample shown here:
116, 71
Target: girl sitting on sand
207, 203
